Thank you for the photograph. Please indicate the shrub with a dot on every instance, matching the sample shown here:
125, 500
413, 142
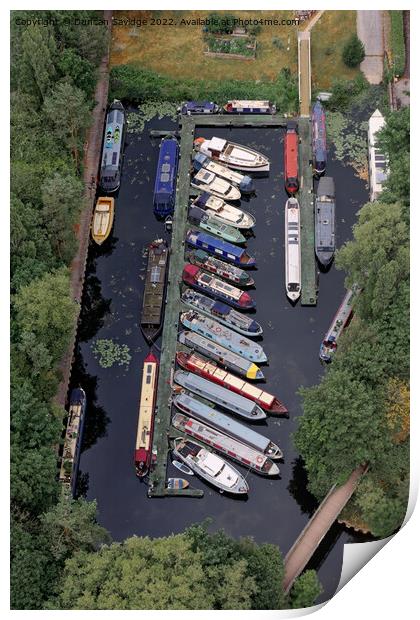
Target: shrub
353, 52
277, 42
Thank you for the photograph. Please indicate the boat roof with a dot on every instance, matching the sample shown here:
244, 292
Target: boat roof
216, 144
167, 167
249, 103
214, 242
326, 187
211, 390
213, 416
196, 340
111, 151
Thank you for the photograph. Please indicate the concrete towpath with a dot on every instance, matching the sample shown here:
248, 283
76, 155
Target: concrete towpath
370, 32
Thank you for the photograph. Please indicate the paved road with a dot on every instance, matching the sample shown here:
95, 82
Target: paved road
370, 32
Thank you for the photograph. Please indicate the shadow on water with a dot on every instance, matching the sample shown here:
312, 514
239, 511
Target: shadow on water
275, 510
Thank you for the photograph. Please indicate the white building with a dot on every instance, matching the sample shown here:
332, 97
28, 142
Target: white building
377, 161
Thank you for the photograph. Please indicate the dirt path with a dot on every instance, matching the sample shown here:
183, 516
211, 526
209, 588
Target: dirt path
91, 162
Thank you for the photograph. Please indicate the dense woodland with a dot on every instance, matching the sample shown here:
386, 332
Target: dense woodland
359, 413
60, 555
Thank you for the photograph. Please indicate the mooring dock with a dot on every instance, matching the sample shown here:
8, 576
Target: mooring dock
162, 429
306, 201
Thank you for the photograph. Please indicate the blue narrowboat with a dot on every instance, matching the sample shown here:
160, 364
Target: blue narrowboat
247, 106
222, 249
199, 107
111, 162
319, 139
166, 175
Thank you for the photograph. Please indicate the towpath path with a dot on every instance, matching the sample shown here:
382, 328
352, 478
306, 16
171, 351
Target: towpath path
92, 154
370, 32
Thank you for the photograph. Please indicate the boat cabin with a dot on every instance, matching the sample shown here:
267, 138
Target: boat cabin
199, 107
291, 155
249, 106
166, 177
112, 148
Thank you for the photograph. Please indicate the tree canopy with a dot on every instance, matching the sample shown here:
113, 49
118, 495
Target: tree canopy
359, 412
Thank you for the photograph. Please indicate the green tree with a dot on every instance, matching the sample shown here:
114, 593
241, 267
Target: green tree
394, 142
45, 309
62, 203
66, 107
71, 526
305, 590
353, 52
80, 70
39, 51
139, 573
378, 256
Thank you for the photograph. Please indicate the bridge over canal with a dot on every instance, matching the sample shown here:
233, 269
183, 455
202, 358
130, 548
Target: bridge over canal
313, 533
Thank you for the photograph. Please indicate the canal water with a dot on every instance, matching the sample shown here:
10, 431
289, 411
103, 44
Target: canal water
276, 510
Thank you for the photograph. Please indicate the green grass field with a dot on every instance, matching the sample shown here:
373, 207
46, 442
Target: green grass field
177, 51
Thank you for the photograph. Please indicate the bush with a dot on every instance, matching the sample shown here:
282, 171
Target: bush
134, 84
277, 42
353, 52
221, 23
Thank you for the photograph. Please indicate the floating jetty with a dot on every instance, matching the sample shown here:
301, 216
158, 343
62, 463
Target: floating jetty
186, 133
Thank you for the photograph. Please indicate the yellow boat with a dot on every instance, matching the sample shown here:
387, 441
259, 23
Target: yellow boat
103, 218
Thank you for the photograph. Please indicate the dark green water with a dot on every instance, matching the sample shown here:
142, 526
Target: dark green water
276, 510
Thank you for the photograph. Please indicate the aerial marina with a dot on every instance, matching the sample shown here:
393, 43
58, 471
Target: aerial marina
210, 298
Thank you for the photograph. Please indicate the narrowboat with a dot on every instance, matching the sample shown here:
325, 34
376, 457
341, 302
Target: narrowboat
112, 151
241, 323
103, 218
209, 370
325, 221
233, 155
226, 424
292, 249
207, 283
319, 139
232, 402
224, 213
291, 158
154, 290
220, 268
166, 176
144, 438
230, 447
221, 355
378, 162
207, 181
248, 106
73, 440
221, 249
243, 182
198, 107
340, 321
205, 220
225, 337
210, 467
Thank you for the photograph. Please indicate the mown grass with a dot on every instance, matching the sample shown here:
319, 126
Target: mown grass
177, 51
397, 42
328, 38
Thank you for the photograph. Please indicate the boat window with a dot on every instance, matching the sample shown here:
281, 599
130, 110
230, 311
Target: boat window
148, 379
114, 158
149, 368
155, 274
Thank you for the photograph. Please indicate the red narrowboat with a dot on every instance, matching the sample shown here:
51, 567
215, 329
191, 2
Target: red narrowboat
291, 158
